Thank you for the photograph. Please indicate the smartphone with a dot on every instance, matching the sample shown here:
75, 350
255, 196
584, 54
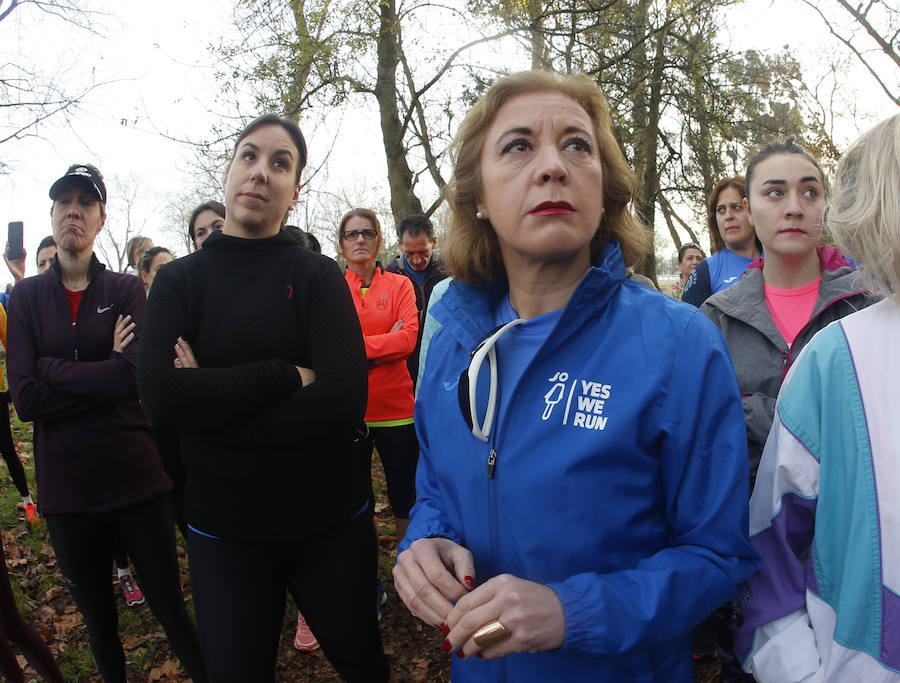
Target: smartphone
15, 237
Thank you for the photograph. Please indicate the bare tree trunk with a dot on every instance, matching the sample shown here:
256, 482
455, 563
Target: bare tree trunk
646, 125
536, 35
403, 199
300, 74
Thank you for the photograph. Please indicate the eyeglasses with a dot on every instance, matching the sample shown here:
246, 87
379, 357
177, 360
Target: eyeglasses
369, 234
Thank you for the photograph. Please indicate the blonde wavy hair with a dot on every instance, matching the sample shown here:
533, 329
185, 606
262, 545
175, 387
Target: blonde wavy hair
471, 250
863, 213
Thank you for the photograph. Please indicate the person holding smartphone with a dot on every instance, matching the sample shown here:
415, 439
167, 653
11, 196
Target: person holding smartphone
73, 335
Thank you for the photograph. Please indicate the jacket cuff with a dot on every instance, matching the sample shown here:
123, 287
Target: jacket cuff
431, 530
580, 615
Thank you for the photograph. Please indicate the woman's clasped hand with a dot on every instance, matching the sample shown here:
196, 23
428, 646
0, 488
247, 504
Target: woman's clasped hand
441, 573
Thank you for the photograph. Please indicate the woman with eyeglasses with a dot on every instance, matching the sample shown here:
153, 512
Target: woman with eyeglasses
386, 306
734, 242
253, 353
571, 523
689, 257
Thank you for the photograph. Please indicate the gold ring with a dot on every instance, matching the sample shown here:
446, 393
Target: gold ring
491, 633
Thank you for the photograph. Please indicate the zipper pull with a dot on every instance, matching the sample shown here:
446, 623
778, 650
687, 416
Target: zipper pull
492, 461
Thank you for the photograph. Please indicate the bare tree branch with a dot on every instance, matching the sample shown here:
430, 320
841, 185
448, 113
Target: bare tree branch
887, 48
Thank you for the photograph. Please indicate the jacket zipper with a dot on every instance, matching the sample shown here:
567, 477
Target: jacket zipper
495, 535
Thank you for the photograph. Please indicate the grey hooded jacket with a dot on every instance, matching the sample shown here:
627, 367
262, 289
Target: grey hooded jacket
760, 354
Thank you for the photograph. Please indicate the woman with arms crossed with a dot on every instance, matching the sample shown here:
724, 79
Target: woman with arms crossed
101, 485
582, 522
253, 353
386, 306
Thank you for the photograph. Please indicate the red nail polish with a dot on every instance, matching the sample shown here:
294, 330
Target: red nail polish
460, 654
469, 581
445, 630
446, 646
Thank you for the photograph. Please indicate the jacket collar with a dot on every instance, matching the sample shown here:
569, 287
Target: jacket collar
356, 281
467, 309
830, 258
746, 300
94, 268
218, 240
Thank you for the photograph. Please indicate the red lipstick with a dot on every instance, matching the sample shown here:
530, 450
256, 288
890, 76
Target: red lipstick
552, 209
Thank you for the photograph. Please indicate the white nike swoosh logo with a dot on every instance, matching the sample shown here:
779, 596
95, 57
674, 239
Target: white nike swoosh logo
730, 279
104, 310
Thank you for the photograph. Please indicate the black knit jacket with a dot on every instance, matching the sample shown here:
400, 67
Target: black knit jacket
265, 458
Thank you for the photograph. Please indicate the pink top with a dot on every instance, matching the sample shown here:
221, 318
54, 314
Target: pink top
791, 308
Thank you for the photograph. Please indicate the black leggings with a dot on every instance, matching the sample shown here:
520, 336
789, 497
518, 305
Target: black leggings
8, 448
13, 629
84, 545
239, 598
398, 448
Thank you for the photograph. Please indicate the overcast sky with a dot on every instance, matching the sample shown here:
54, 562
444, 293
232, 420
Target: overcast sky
160, 73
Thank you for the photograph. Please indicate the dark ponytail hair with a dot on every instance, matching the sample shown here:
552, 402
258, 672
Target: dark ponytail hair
773, 148
290, 127
149, 255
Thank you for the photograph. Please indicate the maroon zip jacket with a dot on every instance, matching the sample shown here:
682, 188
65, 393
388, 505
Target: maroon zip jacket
93, 447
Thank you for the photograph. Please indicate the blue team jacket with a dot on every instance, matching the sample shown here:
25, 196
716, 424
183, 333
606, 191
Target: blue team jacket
620, 475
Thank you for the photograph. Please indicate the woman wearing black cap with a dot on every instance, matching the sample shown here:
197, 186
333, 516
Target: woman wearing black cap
72, 349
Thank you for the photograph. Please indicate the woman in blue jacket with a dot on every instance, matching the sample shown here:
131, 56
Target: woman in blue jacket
734, 242
583, 453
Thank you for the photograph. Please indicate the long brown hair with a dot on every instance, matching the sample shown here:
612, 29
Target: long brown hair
715, 238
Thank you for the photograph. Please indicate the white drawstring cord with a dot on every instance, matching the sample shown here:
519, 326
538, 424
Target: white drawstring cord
486, 348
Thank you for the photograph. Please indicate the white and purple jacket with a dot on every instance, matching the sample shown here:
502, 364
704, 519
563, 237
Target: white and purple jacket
825, 515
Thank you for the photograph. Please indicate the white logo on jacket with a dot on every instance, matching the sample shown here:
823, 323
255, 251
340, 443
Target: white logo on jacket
589, 404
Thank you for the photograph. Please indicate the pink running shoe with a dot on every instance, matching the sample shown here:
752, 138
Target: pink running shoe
130, 590
31, 513
304, 640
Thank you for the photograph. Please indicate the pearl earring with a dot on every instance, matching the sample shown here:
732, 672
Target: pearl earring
480, 215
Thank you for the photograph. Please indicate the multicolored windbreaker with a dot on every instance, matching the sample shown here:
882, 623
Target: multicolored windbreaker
825, 513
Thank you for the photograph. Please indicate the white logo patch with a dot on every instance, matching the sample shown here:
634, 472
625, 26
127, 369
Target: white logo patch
555, 394
589, 405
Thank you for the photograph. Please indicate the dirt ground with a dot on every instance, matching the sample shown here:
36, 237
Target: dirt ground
413, 648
